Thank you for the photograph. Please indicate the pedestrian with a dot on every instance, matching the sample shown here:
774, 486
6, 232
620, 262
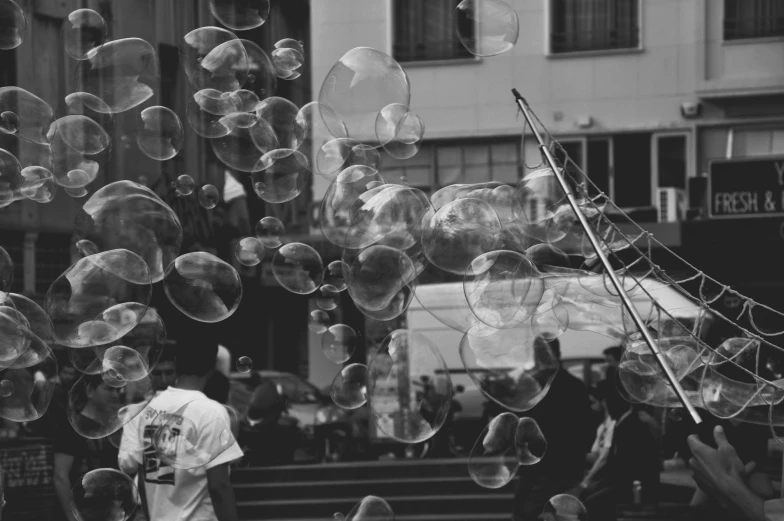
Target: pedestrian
564, 417
164, 372
75, 455
723, 476
171, 488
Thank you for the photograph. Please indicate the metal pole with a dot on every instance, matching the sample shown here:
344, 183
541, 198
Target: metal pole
627, 303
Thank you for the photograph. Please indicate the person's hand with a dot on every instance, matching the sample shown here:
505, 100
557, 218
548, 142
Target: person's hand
721, 474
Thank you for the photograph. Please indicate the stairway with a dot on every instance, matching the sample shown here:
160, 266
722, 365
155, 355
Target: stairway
437, 490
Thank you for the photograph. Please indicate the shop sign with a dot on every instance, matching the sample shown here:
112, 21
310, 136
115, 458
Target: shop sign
747, 187
26, 465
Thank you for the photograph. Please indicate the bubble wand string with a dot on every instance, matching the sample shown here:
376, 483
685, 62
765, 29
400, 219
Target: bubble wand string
589, 232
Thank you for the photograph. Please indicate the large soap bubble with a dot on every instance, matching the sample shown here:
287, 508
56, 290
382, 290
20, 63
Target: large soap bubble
13, 25
130, 216
377, 274
240, 15
99, 298
358, 86
103, 495
24, 114
122, 73
459, 232
214, 58
298, 268
83, 31
486, 27
509, 366
203, 287
493, 461
160, 134
261, 72
409, 389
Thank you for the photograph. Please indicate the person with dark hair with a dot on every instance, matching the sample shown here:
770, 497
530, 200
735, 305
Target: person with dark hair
564, 417
163, 374
217, 388
75, 455
192, 482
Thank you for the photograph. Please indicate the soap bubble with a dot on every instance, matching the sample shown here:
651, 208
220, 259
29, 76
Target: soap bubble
503, 288
261, 72
550, 319
564, 507
459, 232
395, 307
281, 115
486, 27
377, 274
178, 443
333, 155
104, 494
240, 15
10, 178
510, 366
38, 184
371, 508
127, 215
82, 134
99, 298
358, 86
399, 131
244, 100
530, 442
286, 61
122, 73
244, 364
341, 196
23, 355
76, 192
13, 25
214, 58
184, 185
338, 343
335, 275
203, 287
319, 321
546, 255
249, 139
313, 127
328, 297
268, 230
639, 379
418, 413
6, 273
160, 134
209, 197
107, 419
24, 114
290, 43
206, 111
349, 388
83, 31
121, 364
6, 388
493, 461
249, 251
298, 268
284, 174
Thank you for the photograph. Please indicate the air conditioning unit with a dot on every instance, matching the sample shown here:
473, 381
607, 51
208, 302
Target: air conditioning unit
671, 204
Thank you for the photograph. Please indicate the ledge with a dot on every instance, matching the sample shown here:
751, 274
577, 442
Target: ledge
441, 63
593, 54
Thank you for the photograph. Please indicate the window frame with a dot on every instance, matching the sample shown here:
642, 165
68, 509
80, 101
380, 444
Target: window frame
743, 40
655, 136
468, 58
548, 28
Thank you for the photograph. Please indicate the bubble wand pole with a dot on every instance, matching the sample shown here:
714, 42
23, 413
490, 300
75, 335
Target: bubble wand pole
627, 303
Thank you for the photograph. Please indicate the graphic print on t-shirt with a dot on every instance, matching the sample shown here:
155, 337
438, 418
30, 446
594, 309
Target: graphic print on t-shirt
161, 438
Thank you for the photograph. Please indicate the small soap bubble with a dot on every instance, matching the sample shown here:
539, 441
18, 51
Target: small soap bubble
268, 230
209, 197
244, 364
286, 61
564, 507
184, 185
349, 388
338, 343
38, 184
104, 494
13, 25
249, 251
291, 43
319, 321
530, 442
83, 31
493, 460
328, 298
285, 174
6, 388
159, 133
240, 15
298, 268
486, 27
203, 287
675, 414
334, 275
9, 122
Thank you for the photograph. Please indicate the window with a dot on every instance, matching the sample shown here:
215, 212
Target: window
478, 163
670, 156
425, 30
594, 25
753, 19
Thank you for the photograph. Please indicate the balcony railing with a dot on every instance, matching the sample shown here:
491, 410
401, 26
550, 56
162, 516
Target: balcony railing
594, 25
745, 19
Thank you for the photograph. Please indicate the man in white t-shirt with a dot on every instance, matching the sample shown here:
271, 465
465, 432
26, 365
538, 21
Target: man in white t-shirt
181, 444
